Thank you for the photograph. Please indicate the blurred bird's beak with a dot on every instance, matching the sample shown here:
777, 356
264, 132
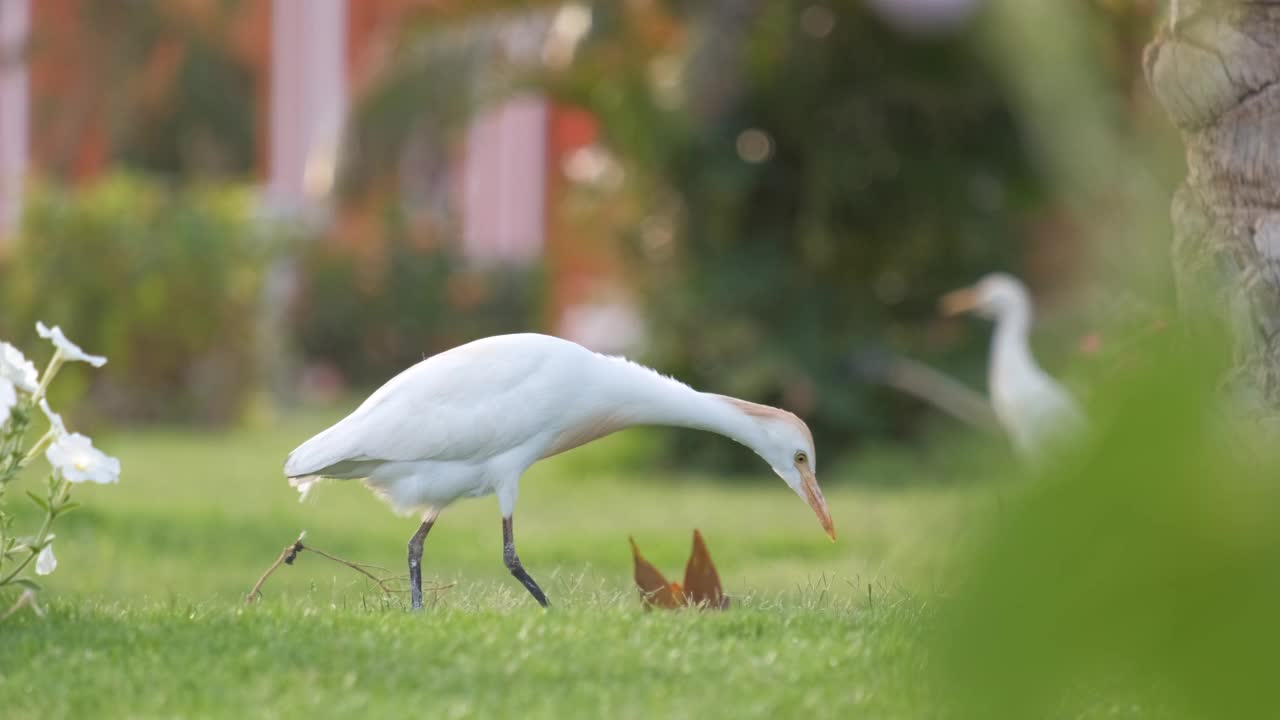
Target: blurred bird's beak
813, 495
959, 301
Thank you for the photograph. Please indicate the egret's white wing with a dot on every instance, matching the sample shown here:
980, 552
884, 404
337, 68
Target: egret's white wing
475, 401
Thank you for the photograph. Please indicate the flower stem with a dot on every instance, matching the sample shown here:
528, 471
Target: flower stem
57, 497
44, 442
55, 364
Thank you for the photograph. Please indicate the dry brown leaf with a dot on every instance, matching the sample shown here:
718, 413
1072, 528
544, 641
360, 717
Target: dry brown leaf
701, 581
654, 587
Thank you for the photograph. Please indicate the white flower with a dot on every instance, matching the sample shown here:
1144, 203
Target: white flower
17, 369
8, 398
70, 350
55, 420
77, 460
45, 561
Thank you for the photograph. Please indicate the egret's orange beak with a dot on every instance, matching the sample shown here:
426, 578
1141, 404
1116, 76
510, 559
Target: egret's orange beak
960, 301
813, 495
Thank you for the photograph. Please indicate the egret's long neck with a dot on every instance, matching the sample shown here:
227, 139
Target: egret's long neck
649, 398
1010, 346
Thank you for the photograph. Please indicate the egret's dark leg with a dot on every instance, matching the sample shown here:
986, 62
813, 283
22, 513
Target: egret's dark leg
513, 563
415, 559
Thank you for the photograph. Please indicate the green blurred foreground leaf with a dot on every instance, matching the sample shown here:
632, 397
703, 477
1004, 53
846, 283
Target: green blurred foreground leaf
1142, 574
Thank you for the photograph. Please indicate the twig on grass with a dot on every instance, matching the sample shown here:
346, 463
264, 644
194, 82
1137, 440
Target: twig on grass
290, 553
287, 555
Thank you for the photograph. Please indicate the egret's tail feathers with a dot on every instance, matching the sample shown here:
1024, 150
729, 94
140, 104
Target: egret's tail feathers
308, 458
316, 456
321, 457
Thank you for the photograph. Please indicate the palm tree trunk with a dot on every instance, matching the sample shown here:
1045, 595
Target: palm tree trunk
1215, 68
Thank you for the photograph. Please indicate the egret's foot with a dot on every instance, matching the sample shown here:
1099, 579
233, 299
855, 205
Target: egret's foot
512, 561
530, 585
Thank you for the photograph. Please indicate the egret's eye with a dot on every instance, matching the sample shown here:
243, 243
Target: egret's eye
801, 458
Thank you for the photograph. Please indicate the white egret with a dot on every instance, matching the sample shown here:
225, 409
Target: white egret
1031, 406
469, 421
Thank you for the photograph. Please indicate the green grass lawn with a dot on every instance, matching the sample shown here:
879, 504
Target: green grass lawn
147, 617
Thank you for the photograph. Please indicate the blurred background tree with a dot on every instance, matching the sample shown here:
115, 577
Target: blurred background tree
772, 187
785, 183
815, 200
140, 231
169, 89
166, 283
370, 317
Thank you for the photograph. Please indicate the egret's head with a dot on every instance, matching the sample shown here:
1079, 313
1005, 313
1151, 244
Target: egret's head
994, 296
784, 441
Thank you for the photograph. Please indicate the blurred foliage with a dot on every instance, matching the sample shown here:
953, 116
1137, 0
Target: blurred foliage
165, 283
802, 181
442, 69
172, 84
1137, 578
390, 286
853, 176
203, 125
372, 312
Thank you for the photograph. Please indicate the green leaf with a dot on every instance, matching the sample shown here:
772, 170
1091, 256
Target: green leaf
29, 584
44, 505
66, 508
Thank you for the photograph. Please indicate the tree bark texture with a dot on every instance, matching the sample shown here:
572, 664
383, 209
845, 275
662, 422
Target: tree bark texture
1215, 68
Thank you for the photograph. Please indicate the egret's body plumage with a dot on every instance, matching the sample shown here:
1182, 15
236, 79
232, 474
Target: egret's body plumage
457, 424
469, 421
1033, 408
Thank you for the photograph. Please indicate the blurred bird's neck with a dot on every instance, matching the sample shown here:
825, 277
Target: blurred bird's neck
1010, 345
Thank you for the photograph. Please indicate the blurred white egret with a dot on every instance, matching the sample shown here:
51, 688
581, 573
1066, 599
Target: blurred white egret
469, 421
1029, 404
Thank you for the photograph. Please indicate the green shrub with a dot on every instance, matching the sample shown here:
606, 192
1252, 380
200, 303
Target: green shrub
843, 179
164, 282
376, 308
